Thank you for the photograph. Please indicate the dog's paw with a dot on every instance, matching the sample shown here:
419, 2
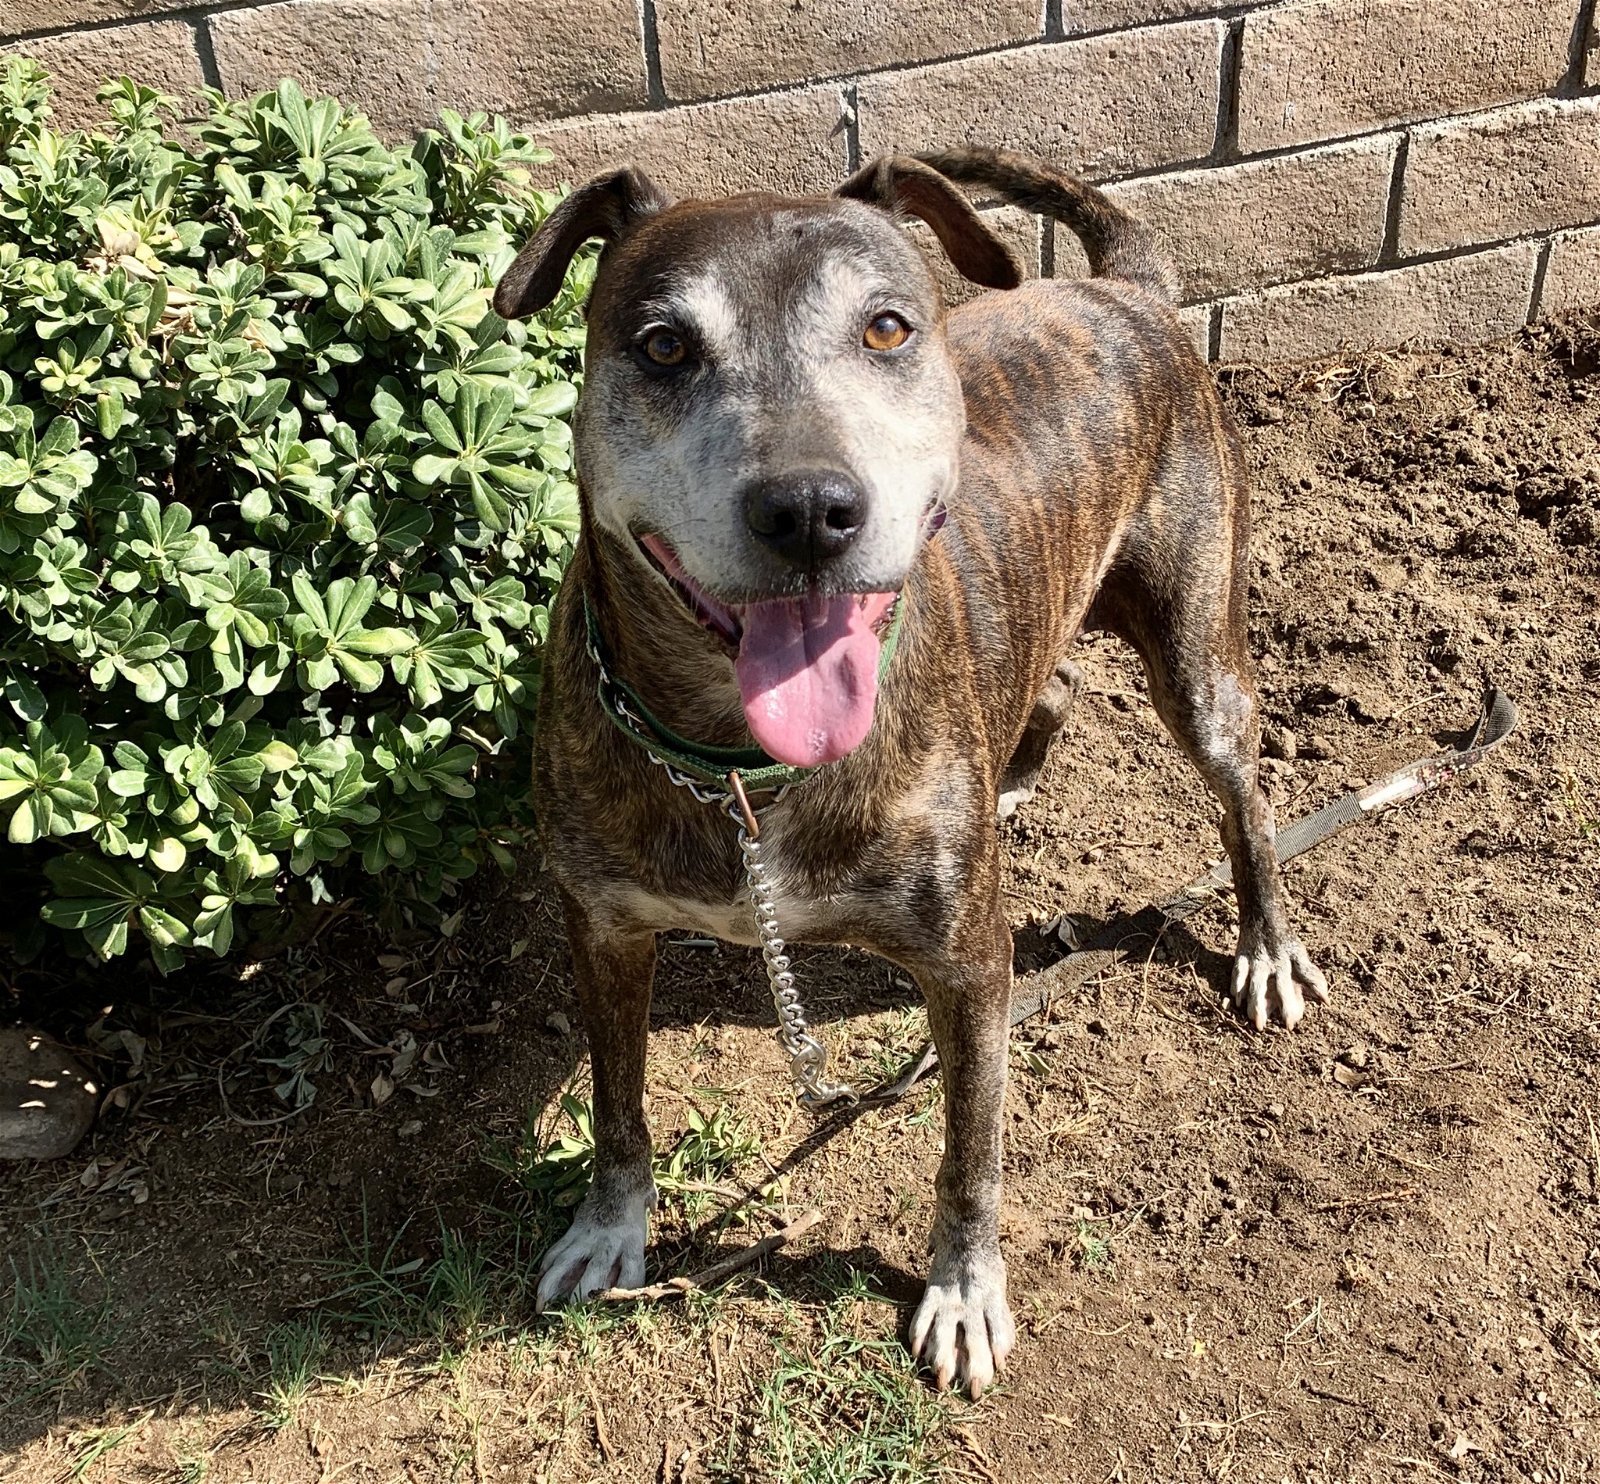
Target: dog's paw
1009, 802
1273, 982
962, 1330
600, 1250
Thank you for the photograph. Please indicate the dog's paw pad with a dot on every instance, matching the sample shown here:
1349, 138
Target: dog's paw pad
593, 1256
962, 1330
1275, 983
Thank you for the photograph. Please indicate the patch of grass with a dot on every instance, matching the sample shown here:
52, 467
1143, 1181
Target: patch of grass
95, 1444
1097, 1241
1578, 805
844, 1404
295, 1352
191, 1461
471, 1292
51, 1334
461, 1291
378, 1290
888, 1042
583, 1328
1094, 1242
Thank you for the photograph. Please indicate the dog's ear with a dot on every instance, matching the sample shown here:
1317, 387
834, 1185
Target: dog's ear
609, 206
908, 187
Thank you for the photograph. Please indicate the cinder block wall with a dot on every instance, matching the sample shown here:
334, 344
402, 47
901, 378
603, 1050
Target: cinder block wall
1326, 172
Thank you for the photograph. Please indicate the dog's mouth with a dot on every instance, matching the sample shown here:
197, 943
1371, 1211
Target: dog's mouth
807, 666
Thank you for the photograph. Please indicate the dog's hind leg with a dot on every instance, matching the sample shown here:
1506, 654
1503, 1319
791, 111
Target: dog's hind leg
1202, 684
1209, 706
1049, 715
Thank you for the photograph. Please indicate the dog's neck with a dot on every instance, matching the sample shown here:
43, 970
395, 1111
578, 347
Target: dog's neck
680, 671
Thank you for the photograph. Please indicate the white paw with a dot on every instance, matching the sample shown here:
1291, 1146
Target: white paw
1273, 984
1011, 801
962, 1330
596, 1253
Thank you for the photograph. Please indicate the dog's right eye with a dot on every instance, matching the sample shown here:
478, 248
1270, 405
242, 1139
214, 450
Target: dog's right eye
664, 347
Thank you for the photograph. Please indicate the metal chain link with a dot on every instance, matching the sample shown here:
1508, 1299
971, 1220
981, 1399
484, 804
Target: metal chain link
808, 1057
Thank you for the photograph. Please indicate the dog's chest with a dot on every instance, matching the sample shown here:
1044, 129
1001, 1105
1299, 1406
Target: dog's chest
731, 920
699, 886
889, 888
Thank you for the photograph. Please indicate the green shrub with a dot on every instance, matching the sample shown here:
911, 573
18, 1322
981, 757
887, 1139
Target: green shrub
282, 505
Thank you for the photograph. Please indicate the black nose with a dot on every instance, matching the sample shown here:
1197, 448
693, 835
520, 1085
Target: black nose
808, 517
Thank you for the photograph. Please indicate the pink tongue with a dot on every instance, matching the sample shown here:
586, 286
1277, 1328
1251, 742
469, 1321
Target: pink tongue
808, 675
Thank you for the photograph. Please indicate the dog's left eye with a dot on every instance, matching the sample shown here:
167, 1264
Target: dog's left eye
886, 332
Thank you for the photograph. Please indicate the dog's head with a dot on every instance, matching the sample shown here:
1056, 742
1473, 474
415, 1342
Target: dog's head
770, 419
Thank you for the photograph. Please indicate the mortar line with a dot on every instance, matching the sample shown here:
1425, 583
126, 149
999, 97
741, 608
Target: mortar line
206, 52
191, 13
1229, 65
1540, 267
650, 39
1214, 334
1047, 247
1444, 255
1053, 21
1221, 12
1582, 26
850, 102
1390, 251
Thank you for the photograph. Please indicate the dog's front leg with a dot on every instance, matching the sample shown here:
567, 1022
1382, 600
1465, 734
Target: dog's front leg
962, 1330
604, 1246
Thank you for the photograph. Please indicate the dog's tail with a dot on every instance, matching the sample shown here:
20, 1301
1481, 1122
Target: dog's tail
1117, 243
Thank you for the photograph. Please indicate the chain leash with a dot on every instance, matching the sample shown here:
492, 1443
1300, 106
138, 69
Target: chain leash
807, 1056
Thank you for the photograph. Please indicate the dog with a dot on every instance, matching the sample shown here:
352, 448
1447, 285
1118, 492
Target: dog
786, 445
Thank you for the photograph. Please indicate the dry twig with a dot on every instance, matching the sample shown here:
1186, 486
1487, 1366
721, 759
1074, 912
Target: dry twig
707, 1277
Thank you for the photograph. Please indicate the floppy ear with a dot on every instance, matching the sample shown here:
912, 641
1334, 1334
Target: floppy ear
609, 206
908, 187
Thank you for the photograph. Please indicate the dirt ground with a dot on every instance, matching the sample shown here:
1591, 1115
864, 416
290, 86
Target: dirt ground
1368, 1250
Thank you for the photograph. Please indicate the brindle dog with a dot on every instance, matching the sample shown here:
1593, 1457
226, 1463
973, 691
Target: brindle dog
777, 416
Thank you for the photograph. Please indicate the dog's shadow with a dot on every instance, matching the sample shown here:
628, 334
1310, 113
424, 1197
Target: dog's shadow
701, 981
1036, 953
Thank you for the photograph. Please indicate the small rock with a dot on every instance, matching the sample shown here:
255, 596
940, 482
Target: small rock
47, 1100
557, 1022
1281, 743
1273, 1112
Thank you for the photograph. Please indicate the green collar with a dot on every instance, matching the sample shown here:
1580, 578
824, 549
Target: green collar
706, 764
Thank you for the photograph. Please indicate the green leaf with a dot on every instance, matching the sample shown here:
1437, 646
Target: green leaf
555, 400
